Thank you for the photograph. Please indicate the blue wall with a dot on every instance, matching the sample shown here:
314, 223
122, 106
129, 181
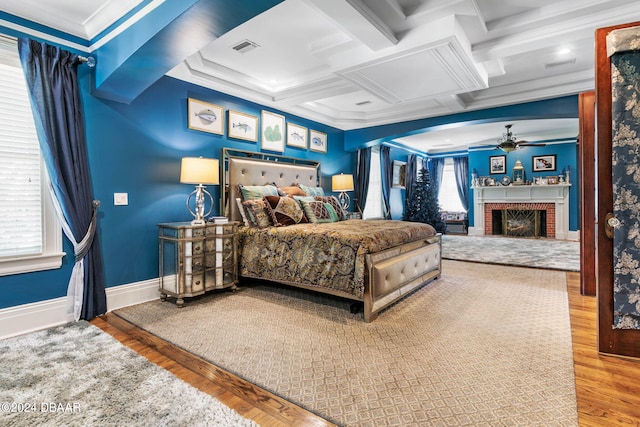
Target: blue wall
136, 149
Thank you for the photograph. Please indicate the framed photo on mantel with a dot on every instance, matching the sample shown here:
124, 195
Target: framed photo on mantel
497, 164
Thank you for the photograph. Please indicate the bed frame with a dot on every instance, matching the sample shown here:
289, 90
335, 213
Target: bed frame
390, 274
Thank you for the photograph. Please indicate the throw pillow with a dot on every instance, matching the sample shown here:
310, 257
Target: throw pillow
284, 210
333, 201
292, 191
316, 211
250, 192
256, 211
312, 191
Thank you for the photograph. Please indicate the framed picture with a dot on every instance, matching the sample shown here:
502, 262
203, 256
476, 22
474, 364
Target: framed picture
497, 164
205, 117
398, 174
317, 141
296, 136
544, 163
242, 126
552, 180
272, 137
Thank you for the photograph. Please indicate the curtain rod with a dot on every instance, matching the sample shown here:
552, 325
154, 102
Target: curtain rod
89, 60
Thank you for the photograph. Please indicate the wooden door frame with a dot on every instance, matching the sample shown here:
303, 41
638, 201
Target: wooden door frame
624, 342
587, 188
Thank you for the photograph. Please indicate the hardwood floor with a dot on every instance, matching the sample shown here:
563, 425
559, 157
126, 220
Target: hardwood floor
607, 388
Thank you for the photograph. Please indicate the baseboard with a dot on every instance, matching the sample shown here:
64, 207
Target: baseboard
475, 231
35, 316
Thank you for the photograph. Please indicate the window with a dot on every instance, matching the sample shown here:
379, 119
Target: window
448, 197
373, 208
30, 235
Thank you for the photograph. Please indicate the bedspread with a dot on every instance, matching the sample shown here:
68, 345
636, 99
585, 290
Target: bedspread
329, 255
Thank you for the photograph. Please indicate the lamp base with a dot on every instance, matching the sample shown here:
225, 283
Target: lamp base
344, 200
199, 213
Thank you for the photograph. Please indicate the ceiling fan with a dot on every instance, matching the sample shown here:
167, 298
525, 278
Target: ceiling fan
508, 142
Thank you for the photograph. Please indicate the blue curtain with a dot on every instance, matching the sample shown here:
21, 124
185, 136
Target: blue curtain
461, 170
387, 175
52, 81
410, 178
363, 172
435, 167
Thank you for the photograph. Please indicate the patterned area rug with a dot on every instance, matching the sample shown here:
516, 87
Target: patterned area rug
482, 346
77, 375
540, 253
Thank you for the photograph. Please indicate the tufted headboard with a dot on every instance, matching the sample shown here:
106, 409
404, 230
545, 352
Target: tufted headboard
251, 168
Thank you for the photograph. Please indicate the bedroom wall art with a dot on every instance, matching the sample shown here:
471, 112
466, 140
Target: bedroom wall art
243, 126
317, 141
296, 136
498, 164
272, 135
205, 117
398, 176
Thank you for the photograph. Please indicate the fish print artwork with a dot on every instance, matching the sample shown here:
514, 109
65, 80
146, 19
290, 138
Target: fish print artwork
242, 127
296, 136
205, 117
318, 141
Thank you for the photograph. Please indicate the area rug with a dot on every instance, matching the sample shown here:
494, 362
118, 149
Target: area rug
77, 375
526, 252
482, 346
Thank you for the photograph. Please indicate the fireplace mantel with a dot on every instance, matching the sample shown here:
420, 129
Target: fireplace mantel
558, 194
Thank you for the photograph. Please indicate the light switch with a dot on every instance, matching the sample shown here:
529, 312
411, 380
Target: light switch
120, 199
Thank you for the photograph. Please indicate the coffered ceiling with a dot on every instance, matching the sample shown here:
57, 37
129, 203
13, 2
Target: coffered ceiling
360, 63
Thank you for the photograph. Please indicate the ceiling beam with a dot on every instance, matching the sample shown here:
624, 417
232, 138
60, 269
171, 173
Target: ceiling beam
359, 21
139, 56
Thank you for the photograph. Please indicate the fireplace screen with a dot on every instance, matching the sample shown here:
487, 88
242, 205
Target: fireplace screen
519, 222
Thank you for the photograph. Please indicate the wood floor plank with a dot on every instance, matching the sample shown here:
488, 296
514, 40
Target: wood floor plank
607, 387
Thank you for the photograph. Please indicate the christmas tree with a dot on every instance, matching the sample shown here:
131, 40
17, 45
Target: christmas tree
423, 204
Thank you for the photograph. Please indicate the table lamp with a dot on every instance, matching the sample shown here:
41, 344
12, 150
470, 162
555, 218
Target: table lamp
199, 171
341, 184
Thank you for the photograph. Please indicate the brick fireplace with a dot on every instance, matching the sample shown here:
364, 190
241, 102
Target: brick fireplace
552, 199
548, 208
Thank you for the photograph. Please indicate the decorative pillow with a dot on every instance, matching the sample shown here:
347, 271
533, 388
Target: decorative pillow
312, 191
242, 213
333, 201
316, 211
332, 212
251, 192
292, 191
284, 210
256, 211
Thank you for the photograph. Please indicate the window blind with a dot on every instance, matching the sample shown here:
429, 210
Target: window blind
20, 168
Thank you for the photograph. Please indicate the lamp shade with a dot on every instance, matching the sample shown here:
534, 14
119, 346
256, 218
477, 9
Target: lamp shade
198, 170
342, 182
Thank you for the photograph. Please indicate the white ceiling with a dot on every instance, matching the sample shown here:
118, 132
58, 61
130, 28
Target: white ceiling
359, 63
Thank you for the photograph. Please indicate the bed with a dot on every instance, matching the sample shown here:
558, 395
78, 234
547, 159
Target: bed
372, 262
